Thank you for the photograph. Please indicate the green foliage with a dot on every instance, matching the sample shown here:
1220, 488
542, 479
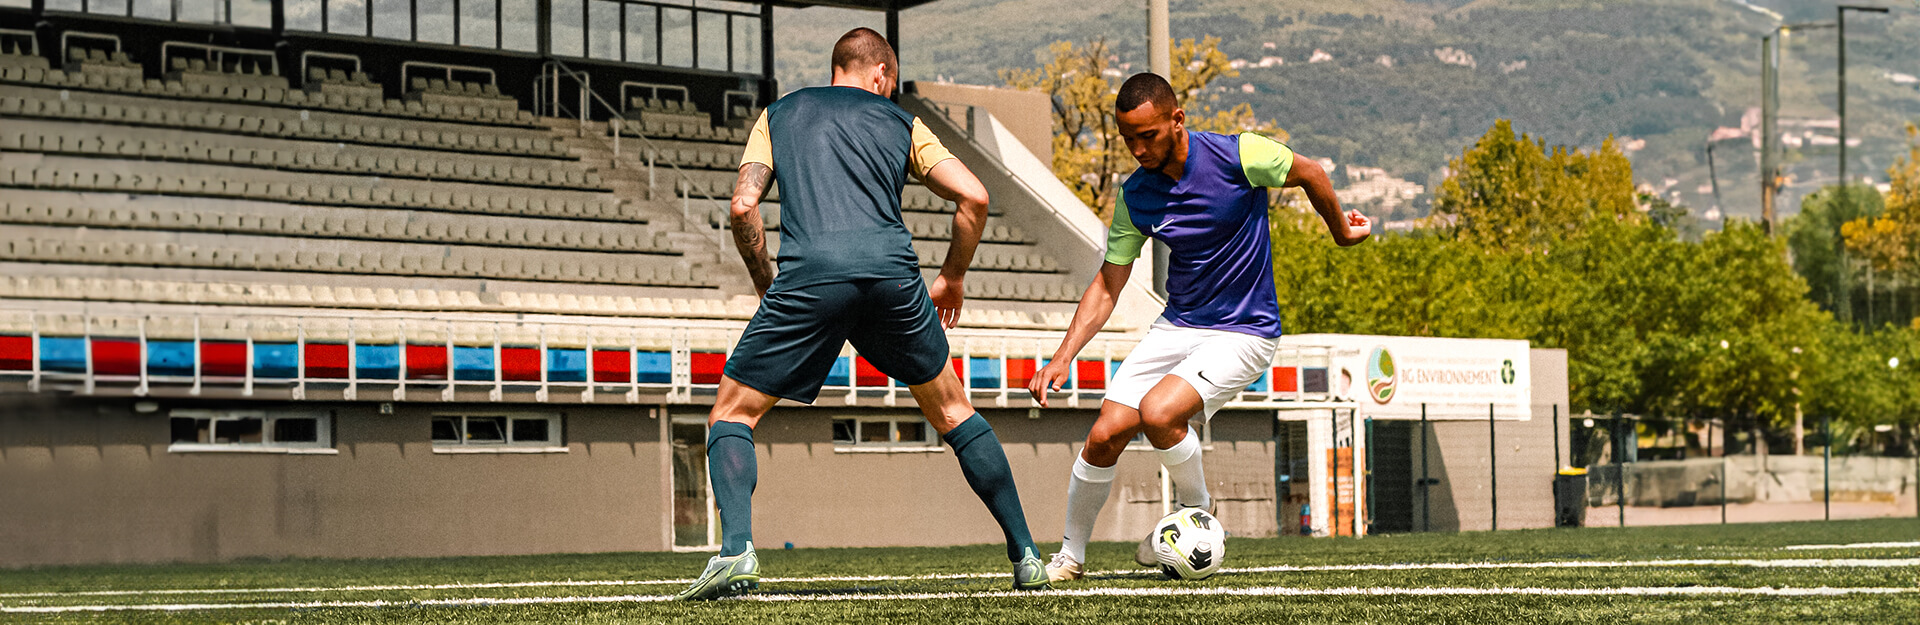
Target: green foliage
1551, 247
1513, 194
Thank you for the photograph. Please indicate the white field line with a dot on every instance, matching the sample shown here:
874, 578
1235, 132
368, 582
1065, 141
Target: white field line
1779, 563
1854, 546
1266, 591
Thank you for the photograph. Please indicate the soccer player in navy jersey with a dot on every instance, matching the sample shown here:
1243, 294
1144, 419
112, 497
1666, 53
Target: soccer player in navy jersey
847, 272
1205, 196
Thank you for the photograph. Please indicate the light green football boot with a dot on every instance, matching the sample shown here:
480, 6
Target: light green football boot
725, 576
1030, 573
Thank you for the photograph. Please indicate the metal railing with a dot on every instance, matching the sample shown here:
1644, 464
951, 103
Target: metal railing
547, 86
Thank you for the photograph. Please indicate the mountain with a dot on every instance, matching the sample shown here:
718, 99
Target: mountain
1405, 84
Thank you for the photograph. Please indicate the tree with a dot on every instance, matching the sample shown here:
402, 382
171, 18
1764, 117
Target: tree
1818, 246
1510, 193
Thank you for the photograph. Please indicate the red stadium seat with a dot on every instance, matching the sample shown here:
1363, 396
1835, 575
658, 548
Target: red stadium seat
326, 360
1019, 372
960, 368
223, 359
1092, 373
612, 366
426, 362
1285, 380
865, 374
520, 364
116, 357
708, 367
16, 353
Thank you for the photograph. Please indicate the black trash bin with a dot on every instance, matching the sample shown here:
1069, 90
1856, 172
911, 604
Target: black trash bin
1570, 497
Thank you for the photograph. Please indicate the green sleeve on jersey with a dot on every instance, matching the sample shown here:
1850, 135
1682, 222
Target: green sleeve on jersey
1265, 161
1123, 240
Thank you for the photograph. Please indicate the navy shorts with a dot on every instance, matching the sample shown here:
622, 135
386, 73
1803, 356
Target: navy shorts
790, 345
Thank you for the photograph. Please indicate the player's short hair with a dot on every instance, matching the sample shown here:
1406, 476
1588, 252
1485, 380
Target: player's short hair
861, 48
1142, 88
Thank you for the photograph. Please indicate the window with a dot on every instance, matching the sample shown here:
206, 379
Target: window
565, 29
347, 17
303, 14
497, 433
676, 37
258, 13
433, 21
477, 23
153, 9
519, 25
746, 45
206, 11
393, 19
713, 40
884, 434
260, 431
603, 30
641, 44
109, 7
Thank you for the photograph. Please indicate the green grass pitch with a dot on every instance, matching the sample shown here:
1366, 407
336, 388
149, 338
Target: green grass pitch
1865, 571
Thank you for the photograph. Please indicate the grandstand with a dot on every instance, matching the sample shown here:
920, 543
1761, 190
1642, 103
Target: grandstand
274, 272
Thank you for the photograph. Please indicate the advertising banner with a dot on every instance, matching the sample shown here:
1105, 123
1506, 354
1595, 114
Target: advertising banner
1392, 377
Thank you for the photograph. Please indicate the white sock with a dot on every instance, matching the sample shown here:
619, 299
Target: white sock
1189, 479
1086, 495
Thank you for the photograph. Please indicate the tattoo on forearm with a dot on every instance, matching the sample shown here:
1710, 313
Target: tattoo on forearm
753, 182
749, 234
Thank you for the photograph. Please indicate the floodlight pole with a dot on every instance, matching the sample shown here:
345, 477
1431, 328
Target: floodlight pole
1841, 21
1160, 61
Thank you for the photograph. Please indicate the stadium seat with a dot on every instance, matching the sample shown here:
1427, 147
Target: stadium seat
170, 358
706, 367
983, 372
115, 357
566, 365
16, 353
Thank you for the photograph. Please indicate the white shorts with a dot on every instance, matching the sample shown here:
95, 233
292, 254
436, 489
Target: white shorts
1217, 363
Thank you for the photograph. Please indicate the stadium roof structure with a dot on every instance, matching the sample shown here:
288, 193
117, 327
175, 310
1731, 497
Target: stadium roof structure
869, 5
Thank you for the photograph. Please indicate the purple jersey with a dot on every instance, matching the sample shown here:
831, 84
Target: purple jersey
1214, 221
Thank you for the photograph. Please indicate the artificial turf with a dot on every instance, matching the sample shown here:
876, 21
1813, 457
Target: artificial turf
814, 600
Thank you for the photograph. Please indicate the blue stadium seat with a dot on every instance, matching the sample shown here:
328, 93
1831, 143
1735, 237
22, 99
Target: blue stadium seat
170, 358
1261, 385
472, 364
842, 372
377, 362
653, 367
276, 360
983, 372
566, 365
63, 354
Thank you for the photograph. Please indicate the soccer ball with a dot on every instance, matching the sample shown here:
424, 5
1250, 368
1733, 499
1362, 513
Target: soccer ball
1190, 544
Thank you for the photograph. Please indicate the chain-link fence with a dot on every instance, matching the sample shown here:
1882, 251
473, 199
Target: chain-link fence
1643, 471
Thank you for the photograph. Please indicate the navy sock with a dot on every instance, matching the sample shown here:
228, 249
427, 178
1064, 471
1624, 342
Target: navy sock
985, 465
731, 466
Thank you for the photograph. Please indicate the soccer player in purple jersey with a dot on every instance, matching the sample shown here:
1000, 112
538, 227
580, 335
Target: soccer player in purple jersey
1205, 196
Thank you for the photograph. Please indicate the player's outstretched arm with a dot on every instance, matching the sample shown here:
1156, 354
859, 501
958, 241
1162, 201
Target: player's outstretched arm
1348, 229
1096, 306
951, 180
749, 233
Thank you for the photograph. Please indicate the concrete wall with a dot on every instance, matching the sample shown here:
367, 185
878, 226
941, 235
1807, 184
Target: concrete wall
807, 490
92, 481
1027, 114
